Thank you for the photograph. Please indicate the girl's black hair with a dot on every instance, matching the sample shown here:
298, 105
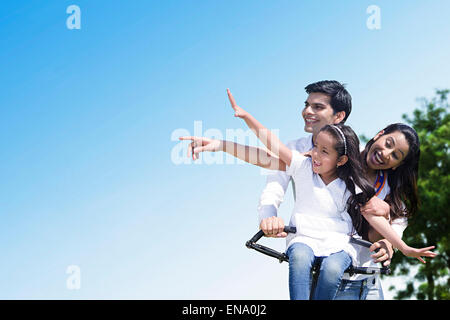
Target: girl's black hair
352, 173
403, 180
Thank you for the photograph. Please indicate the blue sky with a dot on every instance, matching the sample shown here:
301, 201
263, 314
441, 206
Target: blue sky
87, 118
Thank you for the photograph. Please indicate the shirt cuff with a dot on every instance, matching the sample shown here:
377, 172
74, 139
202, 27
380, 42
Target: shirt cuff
266, 211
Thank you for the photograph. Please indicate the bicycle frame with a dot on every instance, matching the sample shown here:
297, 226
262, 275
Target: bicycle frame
251, 244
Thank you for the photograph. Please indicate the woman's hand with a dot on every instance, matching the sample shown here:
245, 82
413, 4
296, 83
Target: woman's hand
376, 206
238, 111
201, 144
419, 253
273, 227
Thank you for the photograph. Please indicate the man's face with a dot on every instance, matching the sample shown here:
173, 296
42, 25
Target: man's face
318, 112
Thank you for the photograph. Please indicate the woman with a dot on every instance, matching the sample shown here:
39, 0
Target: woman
391, 161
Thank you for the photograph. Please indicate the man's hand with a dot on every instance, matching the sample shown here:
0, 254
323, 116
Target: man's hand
273, 227
384, 254
238, 111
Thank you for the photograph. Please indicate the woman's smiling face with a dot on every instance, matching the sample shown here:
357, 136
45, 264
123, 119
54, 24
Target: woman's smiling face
388, 151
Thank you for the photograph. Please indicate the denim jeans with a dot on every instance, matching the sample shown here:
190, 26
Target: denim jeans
367, 289
301, 263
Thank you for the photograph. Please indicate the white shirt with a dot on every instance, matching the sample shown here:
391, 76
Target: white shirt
275, 189
278, 181
320, 211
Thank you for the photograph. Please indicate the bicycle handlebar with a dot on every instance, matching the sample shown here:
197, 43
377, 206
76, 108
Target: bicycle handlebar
361, 242
251, 244
260, 234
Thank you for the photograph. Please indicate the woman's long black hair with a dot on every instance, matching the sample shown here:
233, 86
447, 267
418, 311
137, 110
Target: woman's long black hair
403, 180
352, 172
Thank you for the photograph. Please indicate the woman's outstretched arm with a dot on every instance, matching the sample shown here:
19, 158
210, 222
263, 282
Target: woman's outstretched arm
380, 224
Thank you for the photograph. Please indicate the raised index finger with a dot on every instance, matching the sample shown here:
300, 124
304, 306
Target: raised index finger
186, 138
231, 98
194, 139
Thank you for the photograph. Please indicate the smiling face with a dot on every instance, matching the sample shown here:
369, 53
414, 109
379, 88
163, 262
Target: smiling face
388, 151
318, 112
324, 155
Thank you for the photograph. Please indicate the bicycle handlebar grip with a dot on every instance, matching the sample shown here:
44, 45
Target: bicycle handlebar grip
260, 233
361, 242
289, 229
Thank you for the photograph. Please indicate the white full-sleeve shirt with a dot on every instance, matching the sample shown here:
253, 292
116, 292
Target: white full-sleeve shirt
320, 211
278, 181
273, 195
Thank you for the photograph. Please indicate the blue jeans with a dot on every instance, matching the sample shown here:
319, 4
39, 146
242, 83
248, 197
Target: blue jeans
301, 262
367, 289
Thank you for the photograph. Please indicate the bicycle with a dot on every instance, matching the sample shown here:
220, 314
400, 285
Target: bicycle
251, 244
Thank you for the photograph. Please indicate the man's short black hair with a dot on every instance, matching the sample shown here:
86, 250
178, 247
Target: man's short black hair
341, 100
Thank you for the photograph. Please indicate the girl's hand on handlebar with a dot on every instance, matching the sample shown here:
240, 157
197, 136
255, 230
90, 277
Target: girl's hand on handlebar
273, 227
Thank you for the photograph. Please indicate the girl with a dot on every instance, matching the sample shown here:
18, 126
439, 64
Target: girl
327, 179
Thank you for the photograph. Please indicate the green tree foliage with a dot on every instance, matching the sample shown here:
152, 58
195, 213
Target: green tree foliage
430, 226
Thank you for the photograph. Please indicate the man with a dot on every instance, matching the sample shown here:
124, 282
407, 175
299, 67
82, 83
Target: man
328, 102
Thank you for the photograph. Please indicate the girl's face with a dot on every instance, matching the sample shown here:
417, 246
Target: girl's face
324, 155
388, 151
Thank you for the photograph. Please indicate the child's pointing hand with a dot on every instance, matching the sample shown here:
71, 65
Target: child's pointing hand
201, 144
